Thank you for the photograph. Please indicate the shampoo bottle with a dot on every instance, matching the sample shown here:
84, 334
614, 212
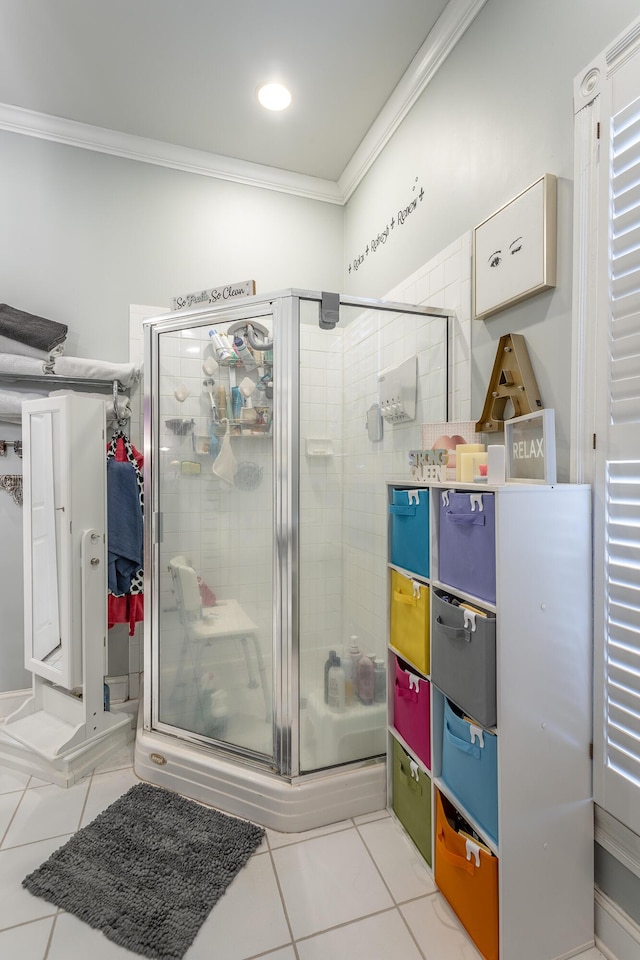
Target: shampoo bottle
236, 402
347, 665
222, 350
355, 655
379, 681
329, 663
365, 679
244, 353
336, 686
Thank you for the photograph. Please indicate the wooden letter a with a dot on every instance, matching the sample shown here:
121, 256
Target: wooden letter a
512, 379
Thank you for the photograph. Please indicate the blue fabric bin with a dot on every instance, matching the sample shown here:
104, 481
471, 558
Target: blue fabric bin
409, 511
470, 769
467, 543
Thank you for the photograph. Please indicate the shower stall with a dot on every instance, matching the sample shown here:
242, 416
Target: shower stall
271, 426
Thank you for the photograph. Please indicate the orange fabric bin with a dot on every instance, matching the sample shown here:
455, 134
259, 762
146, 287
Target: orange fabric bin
470, 883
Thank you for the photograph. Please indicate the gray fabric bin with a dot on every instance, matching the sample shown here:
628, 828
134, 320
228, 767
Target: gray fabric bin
463, 659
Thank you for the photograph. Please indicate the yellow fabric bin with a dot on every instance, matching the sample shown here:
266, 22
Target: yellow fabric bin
410, 620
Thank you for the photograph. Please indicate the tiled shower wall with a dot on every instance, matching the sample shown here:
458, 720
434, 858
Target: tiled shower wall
379, 341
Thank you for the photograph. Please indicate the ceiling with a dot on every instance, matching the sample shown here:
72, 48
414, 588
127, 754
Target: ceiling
184, 73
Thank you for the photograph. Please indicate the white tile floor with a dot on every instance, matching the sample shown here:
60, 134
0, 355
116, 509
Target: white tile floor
354, 889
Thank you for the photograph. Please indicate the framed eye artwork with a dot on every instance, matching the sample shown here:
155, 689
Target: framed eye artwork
514, 250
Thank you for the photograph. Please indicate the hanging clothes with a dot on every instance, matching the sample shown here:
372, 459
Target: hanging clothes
125, 505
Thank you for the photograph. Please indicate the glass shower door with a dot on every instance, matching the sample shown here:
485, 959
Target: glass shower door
346, 455
214, 500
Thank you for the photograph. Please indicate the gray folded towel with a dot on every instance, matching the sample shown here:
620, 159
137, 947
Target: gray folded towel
27, 328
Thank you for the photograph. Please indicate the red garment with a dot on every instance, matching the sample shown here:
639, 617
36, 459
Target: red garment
121, 453
129, 608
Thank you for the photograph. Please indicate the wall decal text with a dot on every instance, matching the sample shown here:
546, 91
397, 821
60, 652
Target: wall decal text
383, 236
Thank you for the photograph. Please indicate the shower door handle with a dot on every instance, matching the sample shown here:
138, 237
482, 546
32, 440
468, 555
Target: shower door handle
156, 528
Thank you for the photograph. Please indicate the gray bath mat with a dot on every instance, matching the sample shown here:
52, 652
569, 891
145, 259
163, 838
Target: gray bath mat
147, 870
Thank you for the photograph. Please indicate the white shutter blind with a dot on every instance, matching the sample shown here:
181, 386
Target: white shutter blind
617, 469
623, 619
625, 266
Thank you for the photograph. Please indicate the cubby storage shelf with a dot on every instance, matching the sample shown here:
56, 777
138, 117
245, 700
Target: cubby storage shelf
409, 573
404, 657
463, 595
409, 749
543, 849
440, 785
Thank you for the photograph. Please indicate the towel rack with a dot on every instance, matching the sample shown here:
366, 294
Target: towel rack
49, 380
16, 444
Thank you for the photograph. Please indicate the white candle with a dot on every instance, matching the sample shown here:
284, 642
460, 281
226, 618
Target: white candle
496, 470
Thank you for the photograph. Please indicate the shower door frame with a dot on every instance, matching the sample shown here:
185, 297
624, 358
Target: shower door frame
284, 309
248, 308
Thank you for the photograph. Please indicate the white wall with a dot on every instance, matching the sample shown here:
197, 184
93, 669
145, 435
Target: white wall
498, 115
84, 235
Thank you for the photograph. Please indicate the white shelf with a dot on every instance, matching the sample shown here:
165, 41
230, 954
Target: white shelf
543, 730
409, 574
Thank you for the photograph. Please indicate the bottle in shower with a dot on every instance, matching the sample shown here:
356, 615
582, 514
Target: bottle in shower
222, 350
354, 654
365, 679
331, 662
244, 353
347, 665
379, 681
236, 403
336, 686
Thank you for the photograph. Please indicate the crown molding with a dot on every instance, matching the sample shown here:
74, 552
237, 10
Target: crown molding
132, 147
454, 20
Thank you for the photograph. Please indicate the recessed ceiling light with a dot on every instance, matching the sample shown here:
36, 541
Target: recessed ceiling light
274, 96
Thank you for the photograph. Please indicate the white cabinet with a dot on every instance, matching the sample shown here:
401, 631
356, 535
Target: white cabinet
543, 696
62, 730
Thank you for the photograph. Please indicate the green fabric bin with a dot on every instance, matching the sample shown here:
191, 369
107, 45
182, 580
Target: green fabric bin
412, 799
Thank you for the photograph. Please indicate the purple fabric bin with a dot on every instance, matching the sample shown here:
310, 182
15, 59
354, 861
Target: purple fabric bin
411, 713
467, 543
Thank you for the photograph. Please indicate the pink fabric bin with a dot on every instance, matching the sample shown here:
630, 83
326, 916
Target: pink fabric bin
411, 711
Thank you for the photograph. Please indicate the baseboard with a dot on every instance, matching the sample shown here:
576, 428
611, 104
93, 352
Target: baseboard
11, 700
617, 935
618, 840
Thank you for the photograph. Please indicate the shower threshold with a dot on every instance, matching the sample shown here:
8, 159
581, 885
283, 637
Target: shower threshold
243, 790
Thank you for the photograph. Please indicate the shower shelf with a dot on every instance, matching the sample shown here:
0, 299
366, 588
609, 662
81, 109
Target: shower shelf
319, 447
240, 363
